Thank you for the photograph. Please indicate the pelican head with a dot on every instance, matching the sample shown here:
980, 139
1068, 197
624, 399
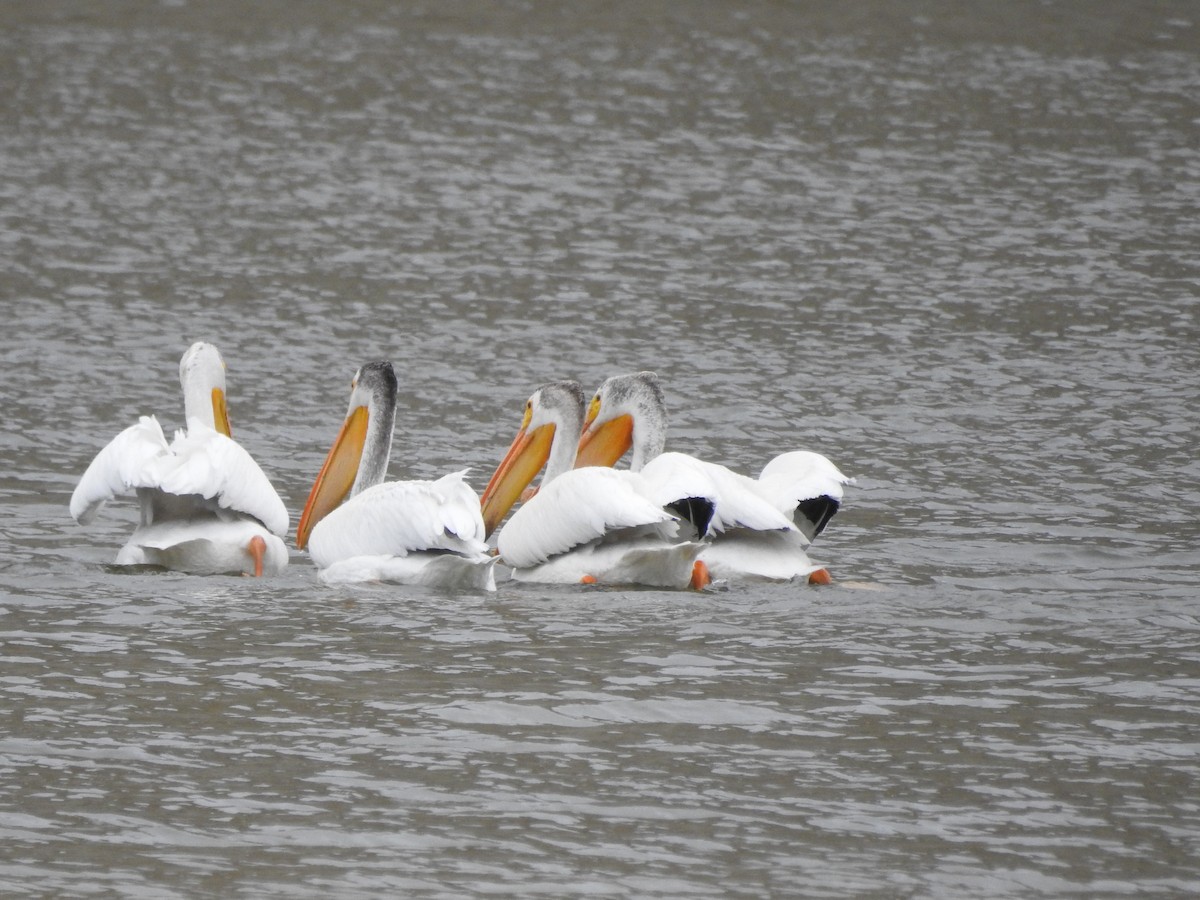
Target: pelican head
359, 456
550, 426
626, 411
202, 377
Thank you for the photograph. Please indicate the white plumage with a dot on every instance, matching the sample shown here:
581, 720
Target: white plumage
409, 532
792, 479
736, 502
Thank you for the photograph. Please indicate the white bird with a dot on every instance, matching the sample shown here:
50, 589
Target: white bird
581, 525
758, 528
357, 527
206, 506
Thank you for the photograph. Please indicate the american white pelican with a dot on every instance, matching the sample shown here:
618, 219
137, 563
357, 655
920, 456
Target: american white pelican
582, 525
357, 527
758, 528
206, 506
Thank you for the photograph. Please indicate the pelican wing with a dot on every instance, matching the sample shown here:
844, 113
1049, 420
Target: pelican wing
736, 501
206, 463
120, 468
673, 476
398, 518
805, 486
577, 507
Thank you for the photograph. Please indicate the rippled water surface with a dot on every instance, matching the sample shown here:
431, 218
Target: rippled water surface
951, 246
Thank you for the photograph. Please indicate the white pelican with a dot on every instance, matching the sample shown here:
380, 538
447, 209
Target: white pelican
357, 527
758, 528
582, 525
206, 506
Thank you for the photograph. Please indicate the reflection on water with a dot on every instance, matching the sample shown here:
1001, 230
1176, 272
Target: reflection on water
953, 252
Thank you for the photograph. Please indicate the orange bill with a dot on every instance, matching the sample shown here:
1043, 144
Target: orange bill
603, 445
336, 476
221, 412
524, 459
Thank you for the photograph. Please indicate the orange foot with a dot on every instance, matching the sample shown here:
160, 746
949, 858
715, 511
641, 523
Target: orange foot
257, 548
820, 576
700, 576
588, 579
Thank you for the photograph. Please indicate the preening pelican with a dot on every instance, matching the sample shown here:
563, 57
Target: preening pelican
582, 525
759, 528
357, 527
206, 506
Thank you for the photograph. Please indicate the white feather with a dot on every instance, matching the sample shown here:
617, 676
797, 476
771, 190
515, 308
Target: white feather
800, 475
737, 503
119, 468
577, 508
397, 518
209, 464
199, 463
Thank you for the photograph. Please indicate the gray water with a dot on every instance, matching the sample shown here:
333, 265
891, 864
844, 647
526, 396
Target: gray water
953, 246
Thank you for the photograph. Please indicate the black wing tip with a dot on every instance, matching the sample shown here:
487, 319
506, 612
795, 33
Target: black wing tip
816, 511
697, 510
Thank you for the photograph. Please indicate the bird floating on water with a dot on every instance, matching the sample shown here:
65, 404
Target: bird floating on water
357, 527
206, 506
757, 528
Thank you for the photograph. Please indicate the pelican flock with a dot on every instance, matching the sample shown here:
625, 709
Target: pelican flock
670, 520
206, 507
582, 525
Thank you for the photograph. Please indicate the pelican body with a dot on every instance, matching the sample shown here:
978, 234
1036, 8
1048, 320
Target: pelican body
206, 507
357, 527
581, 525
754, 528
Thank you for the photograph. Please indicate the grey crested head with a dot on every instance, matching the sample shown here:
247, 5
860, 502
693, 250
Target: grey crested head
564, 399
375, 387
637, 393
640, 396
558, 403
378, 381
